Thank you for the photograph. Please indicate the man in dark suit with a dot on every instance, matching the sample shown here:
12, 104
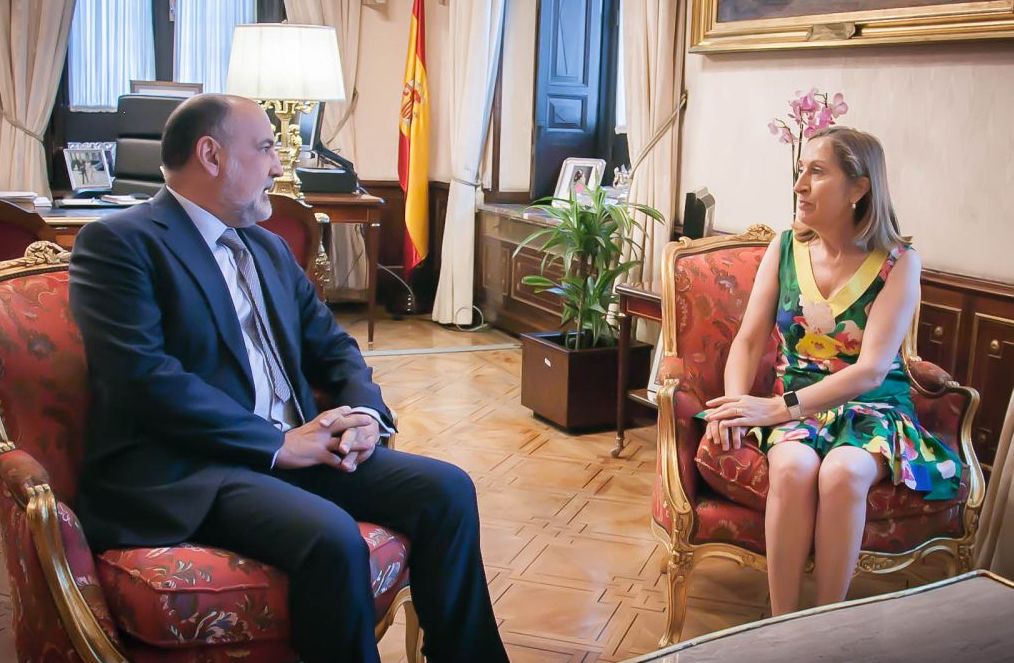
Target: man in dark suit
204, 339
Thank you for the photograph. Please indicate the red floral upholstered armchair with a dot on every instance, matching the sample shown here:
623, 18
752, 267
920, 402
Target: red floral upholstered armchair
710, 503
182, 604
300, 227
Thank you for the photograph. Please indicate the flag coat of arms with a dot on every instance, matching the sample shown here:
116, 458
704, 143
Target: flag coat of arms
413, 143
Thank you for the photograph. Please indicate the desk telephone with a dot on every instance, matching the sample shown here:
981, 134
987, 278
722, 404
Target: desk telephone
333, 174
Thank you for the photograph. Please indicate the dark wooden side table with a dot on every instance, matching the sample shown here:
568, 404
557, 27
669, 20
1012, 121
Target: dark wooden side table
642, 300
362, 209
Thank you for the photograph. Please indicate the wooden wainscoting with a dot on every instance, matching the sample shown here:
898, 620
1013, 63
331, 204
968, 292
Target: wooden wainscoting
392, 233
966, 325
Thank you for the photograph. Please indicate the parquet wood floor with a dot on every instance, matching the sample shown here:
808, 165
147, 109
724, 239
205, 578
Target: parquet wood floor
573, 569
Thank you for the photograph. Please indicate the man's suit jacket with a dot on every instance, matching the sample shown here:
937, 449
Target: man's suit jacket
172, 394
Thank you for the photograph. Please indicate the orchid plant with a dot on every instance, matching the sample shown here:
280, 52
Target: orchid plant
811, 112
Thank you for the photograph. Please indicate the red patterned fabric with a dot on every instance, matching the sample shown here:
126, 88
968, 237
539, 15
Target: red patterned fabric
712, 290
189, 595
43, 378
741, 475
208, 606
721, 521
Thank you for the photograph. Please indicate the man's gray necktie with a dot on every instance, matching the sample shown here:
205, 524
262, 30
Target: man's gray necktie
248, 281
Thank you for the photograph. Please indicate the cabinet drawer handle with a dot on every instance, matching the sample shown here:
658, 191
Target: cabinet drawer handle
938, 331
994, 345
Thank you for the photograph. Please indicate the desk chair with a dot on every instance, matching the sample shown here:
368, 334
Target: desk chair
19, 228
140, 120
176, 604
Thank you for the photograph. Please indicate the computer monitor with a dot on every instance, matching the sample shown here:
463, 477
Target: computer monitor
309, 126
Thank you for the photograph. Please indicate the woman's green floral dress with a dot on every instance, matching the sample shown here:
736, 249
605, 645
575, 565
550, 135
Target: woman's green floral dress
819, 337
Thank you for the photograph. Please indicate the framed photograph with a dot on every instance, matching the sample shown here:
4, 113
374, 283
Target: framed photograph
166, 88
88, 169
747, 25
577, 177
109, 147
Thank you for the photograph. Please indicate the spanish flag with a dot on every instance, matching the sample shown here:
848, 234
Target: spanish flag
413, 143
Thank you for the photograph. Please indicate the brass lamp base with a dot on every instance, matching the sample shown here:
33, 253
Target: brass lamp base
290, 143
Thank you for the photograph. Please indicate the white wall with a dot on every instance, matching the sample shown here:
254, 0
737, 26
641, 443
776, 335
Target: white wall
383, 46
943, 113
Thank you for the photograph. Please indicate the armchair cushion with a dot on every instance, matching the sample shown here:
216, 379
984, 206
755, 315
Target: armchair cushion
189, 595
741, 475
720, 521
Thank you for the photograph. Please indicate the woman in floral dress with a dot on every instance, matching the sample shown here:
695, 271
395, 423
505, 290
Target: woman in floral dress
841, 288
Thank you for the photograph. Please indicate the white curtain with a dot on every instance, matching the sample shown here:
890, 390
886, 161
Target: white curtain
994, 542
347, 247
111, 43
203, 39
342, 15
476, 32
33, 45
653, 52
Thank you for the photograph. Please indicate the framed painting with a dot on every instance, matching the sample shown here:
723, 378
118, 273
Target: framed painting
758, 25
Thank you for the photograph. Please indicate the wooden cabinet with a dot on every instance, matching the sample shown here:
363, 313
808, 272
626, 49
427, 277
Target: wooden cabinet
966, 326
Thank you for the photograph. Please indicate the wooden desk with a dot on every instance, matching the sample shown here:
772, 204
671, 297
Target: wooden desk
642, 300
361, 209
67, 222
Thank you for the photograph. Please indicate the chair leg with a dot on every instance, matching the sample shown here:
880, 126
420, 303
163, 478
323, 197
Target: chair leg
678, 570
413, 639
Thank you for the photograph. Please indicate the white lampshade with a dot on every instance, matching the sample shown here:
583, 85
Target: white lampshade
285, 61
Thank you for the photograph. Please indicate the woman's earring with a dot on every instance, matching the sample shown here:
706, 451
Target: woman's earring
853, 205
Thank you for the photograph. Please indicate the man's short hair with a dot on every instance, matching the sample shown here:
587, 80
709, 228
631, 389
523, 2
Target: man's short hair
198, 116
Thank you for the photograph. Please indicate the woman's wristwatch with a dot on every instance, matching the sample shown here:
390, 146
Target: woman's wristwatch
792, 403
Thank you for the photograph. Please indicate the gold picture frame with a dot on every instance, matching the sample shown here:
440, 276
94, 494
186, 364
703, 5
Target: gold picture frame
724, 26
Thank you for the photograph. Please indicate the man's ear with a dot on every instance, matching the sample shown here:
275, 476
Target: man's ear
209, 154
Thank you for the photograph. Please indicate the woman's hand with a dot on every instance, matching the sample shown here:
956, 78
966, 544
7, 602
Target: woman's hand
728, 436
731, 414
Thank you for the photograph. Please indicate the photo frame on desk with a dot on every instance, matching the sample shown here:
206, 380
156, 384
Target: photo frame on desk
577, 176
88, 169
166, 88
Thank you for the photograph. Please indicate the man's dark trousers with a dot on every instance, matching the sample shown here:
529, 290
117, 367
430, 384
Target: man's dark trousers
304, 522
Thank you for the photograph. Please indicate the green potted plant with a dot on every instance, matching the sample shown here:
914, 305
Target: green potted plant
569, 376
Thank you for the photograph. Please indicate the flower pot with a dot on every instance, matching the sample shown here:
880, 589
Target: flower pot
575, 389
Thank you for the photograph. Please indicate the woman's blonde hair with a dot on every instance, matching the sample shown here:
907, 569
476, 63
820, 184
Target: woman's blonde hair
861, 155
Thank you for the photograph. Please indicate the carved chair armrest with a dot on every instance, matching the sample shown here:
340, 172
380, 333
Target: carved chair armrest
65, 558
685, 435
20, 473
929, 376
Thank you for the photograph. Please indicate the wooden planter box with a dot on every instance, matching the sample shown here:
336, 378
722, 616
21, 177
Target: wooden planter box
575, 389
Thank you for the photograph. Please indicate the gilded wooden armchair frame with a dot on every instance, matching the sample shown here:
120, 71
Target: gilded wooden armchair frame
684, 556
39, 502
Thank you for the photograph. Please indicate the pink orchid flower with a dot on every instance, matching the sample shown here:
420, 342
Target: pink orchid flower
826, 118
773, 127
808, 102
786, 136
838, 106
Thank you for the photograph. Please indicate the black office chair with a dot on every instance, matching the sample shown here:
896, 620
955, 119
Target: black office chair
140, 120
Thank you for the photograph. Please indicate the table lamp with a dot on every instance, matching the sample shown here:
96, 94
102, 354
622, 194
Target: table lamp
287, 68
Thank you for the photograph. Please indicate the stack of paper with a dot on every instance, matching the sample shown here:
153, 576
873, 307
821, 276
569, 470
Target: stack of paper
23, 199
